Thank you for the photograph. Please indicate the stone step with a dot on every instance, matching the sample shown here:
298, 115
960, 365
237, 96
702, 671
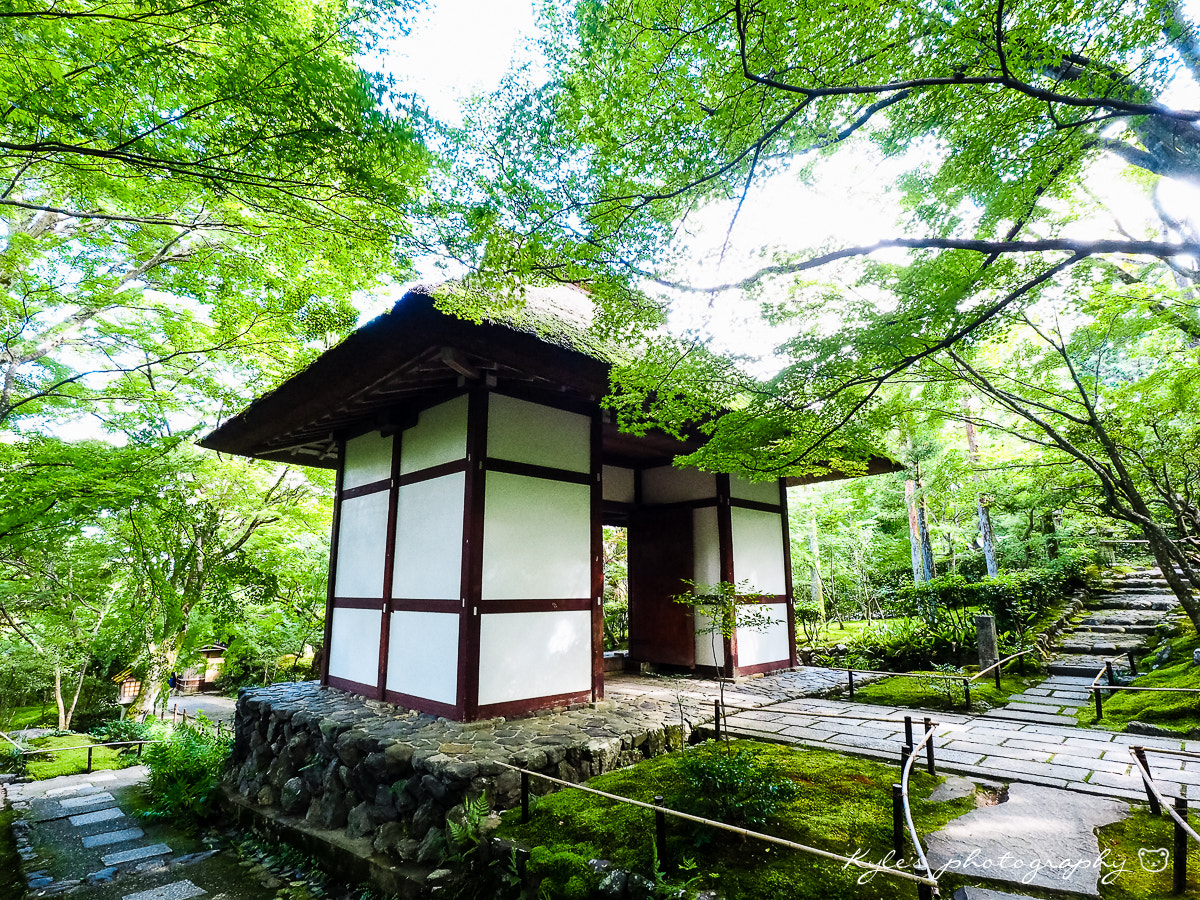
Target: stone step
1034, 717
176, 890
1081, 666
1126, 603
1109, 644
1112, 629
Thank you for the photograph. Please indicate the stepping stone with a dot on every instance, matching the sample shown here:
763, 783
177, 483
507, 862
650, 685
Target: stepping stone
134, 854
100, 815
1038, 718
105, 838
87, 800
73, 789
977, 893
1040, 837
178, 890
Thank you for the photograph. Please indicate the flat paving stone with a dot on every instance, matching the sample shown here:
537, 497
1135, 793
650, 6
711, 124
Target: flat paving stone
133, 854
107, 838
177, 890
1018, 842
87, 800
83, 788
99, 815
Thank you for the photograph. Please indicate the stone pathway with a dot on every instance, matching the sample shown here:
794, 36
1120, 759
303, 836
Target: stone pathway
1077, 759
76, 835
1122, 618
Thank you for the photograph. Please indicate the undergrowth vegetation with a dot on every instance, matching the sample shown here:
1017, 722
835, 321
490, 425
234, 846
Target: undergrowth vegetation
836, 803
184, 771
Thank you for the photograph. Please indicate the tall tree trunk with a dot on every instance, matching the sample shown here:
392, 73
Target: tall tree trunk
923, 526
154, 689
818, 587
986, 537
914, 533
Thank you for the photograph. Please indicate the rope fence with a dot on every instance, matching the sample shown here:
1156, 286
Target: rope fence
1177, 811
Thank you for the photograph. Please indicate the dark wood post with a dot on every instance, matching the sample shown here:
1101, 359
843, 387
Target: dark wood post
717, 719
1099, 703
850, 673
897, 823
967, 693
929, 748
660, 833
89, 768
1181, 848
908, 737
1108, 670
1155, 807
1132, 663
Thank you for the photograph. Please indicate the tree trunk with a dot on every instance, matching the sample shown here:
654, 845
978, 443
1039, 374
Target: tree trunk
818, 587
923, 526
914, 533
154, 689
986, 537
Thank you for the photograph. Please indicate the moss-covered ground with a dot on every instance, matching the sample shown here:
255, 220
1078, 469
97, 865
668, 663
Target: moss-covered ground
843, 805
13, 718
69, 756
1178, 711
934, 692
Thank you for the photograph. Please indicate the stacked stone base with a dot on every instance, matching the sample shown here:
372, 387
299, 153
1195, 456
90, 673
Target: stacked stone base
323, 760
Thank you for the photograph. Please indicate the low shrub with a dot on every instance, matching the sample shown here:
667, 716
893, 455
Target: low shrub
115, 730
896, 644
563, 873
184, 771
732, 785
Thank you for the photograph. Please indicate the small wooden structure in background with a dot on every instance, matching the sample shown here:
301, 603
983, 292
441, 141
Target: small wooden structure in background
475, 471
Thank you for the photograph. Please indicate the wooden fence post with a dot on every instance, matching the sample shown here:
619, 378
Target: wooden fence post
897, 823
1181, 849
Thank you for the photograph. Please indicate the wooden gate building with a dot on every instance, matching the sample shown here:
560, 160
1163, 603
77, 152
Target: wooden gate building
475, 469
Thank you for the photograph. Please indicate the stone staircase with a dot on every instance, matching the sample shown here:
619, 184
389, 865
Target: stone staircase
1118, 621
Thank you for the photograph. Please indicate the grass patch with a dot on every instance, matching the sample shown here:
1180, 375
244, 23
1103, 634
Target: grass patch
70, 756
843, 805
832, 635
929, 693
1127, 873
17, 717
1179, 712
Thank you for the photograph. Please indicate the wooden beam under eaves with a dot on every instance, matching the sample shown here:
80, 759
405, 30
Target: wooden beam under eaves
457, 361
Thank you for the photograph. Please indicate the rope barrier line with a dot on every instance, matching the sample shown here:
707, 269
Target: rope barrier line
745, 832
1148, 780
1001, 662
912, 827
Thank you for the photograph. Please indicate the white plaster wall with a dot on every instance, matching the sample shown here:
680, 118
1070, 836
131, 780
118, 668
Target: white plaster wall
706, 547
768, 645
758, 551
536, 538
706, 643
423, 655
362, 539
762, 491
429, 533
354, 645
531, 433
618, 484
534, 654
440, 436
368, 459
668, 484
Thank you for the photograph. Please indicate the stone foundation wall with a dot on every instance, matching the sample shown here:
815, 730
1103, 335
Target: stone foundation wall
333, 761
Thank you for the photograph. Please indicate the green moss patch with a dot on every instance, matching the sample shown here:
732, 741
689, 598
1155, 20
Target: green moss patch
932, 693
69, 756
1136, 866
842, 805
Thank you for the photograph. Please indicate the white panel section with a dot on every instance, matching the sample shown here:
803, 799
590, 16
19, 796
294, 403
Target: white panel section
354, 645
618, 484
536, 539
707, 643
423, 655
758, 550
762, 491
531, 433
429, 537
770, 644
362, 539
440, 436
667, 484
534, 654
706, 545
368, 459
